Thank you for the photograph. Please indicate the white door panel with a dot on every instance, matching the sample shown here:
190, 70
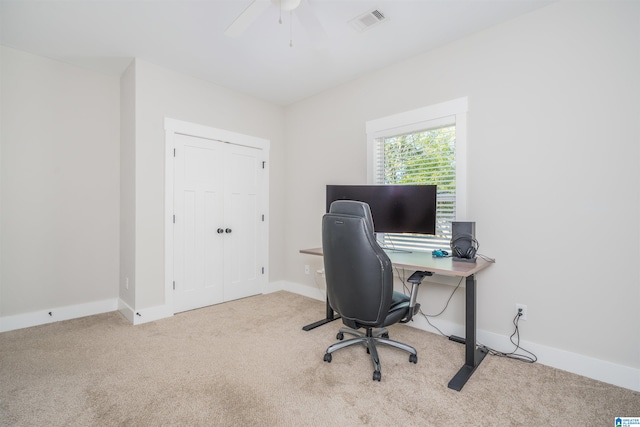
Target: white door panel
244, 277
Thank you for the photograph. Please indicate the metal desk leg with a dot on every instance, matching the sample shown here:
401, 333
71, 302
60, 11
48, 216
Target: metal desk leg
330, 317
473, 357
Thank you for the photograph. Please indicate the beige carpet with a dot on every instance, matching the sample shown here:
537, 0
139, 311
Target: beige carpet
248, 363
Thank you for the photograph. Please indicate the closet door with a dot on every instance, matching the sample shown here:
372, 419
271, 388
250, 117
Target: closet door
218, 222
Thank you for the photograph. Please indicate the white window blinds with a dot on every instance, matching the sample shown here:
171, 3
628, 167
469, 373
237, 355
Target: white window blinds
426, 156
423, 146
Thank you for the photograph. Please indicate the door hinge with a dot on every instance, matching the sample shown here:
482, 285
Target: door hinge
262, 270
174, 152
174, 219
262, 217
174, 285
263, 163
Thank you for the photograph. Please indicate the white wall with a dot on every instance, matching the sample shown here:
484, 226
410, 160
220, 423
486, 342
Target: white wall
553, 171
161, 93
59, 195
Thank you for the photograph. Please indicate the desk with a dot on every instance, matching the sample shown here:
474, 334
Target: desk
421, 261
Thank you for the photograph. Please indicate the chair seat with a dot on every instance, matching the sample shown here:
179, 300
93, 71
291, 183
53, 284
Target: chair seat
397, 299
398, 309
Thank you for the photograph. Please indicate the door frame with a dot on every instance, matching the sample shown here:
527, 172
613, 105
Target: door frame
173, 127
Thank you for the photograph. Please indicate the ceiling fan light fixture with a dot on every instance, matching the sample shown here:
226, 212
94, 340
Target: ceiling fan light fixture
286, 5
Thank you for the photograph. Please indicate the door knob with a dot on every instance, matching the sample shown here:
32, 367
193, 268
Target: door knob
228, 230
220, 230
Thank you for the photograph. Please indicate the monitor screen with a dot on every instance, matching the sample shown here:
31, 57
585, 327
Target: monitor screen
394, 208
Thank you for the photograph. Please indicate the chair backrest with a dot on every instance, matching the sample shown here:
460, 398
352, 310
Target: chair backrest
358, 272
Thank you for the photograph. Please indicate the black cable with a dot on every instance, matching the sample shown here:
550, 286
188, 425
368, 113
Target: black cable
406, 289
512, 355
426, 316
486, 258
448, 300
432, 325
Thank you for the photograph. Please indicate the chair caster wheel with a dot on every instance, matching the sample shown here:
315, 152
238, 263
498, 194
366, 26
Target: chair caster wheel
377, 375
413, 358
340, 336
385, 335
327, 357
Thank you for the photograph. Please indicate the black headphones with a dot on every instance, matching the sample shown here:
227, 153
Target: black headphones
470, 252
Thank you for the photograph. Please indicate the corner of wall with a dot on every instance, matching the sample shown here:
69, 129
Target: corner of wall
127, 276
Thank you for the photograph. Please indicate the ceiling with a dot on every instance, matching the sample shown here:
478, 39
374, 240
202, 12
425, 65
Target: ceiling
189, 36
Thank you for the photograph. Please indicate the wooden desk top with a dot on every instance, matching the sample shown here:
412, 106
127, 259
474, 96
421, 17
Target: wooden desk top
423, 261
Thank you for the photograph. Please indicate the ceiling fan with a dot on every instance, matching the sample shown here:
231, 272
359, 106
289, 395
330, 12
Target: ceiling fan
303, 12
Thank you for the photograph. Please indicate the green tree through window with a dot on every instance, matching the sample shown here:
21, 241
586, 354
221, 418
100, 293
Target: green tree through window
426, 145
423, 157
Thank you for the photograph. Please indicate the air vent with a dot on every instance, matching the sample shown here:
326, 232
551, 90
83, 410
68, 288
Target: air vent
367, 20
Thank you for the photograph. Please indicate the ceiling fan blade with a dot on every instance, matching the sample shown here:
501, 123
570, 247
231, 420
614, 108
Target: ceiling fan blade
312, 26
246, 18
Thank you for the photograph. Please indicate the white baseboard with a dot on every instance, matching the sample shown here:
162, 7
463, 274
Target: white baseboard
586, 366
307, 291
35, 318
601, 370
145, 315
126, 310
57, 314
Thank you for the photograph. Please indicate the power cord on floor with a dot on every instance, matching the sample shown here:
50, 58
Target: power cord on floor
530, 358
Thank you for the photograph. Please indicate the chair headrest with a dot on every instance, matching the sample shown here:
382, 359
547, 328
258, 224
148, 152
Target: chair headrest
353, 208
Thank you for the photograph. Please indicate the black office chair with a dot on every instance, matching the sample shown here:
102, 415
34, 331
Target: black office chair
359, 278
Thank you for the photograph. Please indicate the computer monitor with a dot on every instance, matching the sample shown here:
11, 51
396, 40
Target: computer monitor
394, 208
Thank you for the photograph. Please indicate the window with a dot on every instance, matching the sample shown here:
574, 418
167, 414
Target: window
424, 146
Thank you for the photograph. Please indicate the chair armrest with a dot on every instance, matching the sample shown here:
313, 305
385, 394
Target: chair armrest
415, 279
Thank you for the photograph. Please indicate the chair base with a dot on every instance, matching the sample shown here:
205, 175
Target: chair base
370, 339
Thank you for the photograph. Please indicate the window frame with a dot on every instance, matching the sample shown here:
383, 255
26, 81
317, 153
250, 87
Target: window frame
454, 111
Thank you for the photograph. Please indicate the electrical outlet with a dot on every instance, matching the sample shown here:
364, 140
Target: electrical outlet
307, 269
524, 311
